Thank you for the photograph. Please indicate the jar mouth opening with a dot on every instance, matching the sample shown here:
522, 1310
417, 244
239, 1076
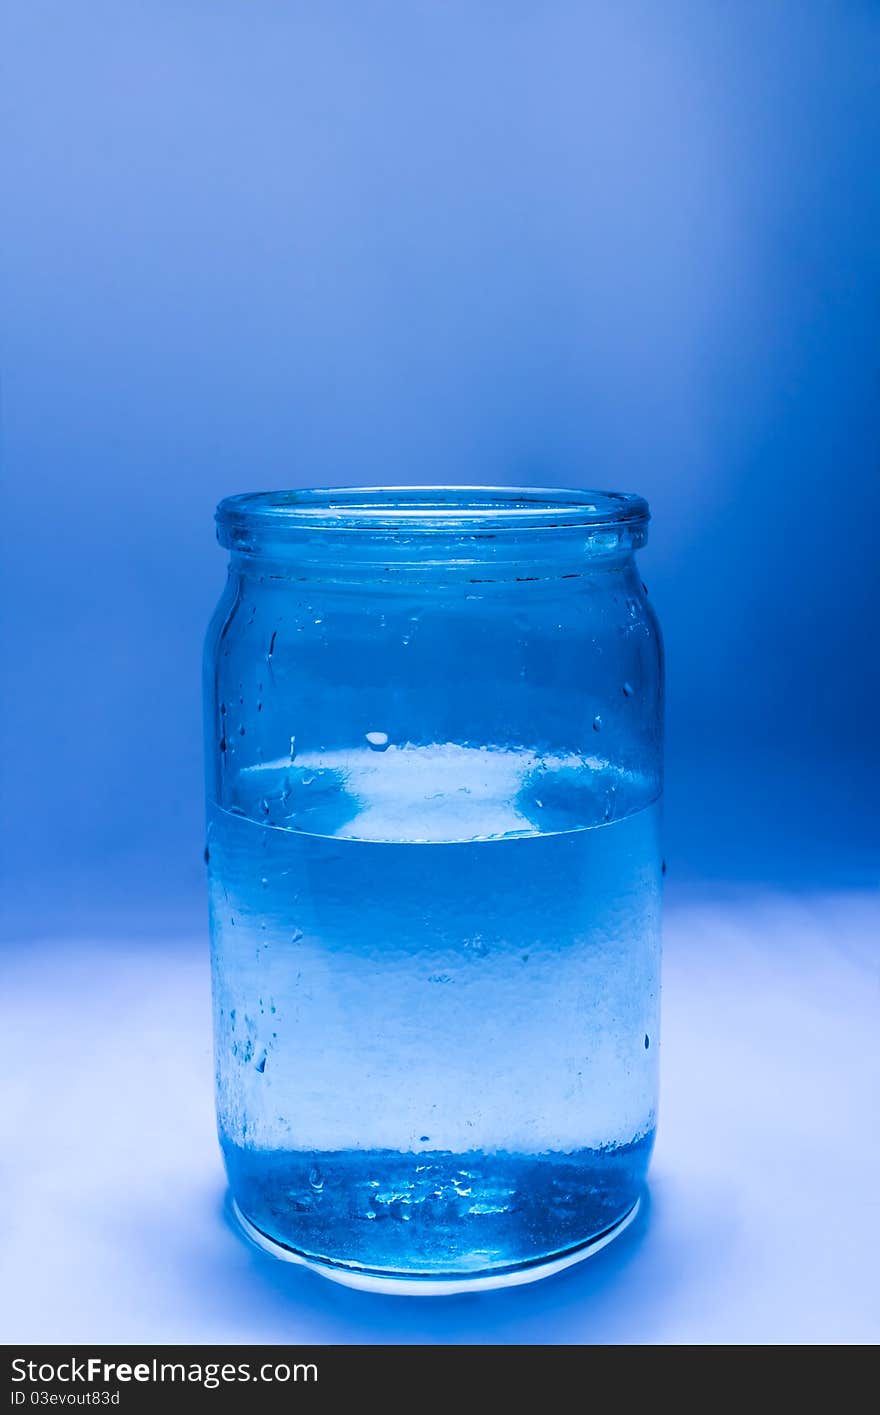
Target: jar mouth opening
468, 510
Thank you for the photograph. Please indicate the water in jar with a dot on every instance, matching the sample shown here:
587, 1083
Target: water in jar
436, 991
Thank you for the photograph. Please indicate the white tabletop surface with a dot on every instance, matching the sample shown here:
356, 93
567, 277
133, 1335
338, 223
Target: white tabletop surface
763, 1217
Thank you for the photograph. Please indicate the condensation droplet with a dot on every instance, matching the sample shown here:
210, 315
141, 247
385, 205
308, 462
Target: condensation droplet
378, 740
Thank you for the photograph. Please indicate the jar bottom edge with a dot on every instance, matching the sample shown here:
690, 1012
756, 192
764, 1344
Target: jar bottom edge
426, 1284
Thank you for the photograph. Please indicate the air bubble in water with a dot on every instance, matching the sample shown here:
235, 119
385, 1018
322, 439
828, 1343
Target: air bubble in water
627, 690
296, 936
597, 723
378, 741
316, 1178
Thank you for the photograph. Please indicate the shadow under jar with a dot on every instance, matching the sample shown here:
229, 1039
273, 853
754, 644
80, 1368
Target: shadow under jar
434, 738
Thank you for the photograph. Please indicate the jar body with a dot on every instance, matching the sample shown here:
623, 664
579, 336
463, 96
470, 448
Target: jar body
434, 874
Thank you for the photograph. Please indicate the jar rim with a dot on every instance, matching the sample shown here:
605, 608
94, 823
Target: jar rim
468, 510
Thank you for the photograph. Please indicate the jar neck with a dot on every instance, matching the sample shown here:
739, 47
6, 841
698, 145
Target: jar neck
366, 558
430, 534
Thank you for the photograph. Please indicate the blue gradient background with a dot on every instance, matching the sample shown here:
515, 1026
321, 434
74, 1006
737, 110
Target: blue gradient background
277, 244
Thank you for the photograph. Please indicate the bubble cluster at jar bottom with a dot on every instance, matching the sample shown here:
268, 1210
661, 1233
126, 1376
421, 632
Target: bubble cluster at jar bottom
436, 1001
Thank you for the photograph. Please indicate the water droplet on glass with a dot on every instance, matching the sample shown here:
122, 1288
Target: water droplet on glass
319, 621
378, 740
316, 1178
423, 1139
296, 936
597, 723
663, 867
647, 1041
627, 690
292, 748
261, 1060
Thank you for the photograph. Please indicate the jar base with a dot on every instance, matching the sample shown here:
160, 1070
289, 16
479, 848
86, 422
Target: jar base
427, 1284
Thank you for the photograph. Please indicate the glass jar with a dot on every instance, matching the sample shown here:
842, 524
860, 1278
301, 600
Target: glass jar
434, 737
